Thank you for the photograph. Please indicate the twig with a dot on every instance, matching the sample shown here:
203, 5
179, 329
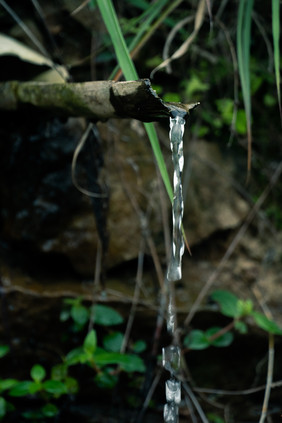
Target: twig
269, 377
249, 391
139, 278
195, 402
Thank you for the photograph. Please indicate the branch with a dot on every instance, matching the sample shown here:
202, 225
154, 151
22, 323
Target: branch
98, 100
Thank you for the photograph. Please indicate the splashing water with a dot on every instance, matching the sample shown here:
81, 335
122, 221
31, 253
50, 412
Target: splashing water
174, 272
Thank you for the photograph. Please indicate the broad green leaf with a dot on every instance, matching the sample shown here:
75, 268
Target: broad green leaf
90, 342
4, 349
113, 341
6, 384
37, 373
55, 387
227, 303
266, 324
106, 316
80, 314
222, 341
49, 410
76, 356
128, 362
21, 389
196, 340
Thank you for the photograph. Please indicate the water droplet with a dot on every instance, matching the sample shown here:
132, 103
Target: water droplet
173, 391
170, 413
171, 359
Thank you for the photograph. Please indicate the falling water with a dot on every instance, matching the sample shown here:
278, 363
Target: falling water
171, 354
177, 123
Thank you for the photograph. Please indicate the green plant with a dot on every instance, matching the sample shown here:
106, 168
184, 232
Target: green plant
106, 362
239, 310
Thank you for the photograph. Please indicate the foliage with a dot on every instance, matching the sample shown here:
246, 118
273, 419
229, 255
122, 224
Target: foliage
106, 362
239, 310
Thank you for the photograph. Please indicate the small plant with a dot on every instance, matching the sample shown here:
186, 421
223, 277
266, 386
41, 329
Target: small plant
239, 310
106, 362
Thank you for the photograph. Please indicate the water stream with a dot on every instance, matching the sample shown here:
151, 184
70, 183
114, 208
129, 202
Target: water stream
171, 354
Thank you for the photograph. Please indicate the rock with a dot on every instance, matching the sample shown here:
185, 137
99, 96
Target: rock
43, 213
212, 203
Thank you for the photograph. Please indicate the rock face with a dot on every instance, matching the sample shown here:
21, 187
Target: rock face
43, 214
212, 203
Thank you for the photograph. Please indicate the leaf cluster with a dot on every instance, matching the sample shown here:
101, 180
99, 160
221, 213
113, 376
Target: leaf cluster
239, 310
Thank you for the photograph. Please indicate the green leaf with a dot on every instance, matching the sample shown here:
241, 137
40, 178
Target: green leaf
71, 385
196, 340
35, 387
266, 324
75, 356
90, 342
245, 307
172, 97
139, 346
228, 303
55, 387
241, 327
113, 341
222, 341
241, 122
106, 379
2, 407
4, 349
37, 373
80, 314
6, 384
33, 415
59, 371
128, 362
50, 410
106, 316
21, 389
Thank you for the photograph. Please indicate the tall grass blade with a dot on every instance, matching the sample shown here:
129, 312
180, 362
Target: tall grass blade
111, 21
243, 52
276, 47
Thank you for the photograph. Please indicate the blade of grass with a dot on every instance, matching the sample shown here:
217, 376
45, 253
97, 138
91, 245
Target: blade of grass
276, 47
145, 27
243, 52
111, 21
